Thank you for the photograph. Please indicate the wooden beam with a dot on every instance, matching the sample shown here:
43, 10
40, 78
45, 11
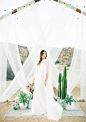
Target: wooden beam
32, 2
17, 9
78, 10
14, 11
70, 6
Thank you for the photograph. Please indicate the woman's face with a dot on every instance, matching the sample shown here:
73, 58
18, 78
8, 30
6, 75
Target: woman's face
44, 55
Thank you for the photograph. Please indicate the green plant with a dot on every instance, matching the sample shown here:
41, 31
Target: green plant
54, 98
16, 105
22, 62
59, 85
29, 97
64, 84
62, 95
69, 99
22, 97
65, 81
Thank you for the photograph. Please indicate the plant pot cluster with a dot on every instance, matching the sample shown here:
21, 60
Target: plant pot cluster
22, 106
64, 99
23, 101
67, 103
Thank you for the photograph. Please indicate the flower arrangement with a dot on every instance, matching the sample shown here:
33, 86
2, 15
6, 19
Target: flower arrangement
30, 87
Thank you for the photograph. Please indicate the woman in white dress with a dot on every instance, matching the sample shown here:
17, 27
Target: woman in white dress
43, 101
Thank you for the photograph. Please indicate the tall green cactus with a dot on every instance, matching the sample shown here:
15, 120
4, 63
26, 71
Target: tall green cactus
62, 84
59, 85
65, 72
62, 91
65, 81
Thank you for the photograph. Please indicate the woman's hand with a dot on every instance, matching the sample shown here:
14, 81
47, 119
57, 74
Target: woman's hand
33, 80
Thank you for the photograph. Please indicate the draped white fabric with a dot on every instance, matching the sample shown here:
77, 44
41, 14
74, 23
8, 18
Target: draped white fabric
10, 4
57, 28
3, 67
83, 60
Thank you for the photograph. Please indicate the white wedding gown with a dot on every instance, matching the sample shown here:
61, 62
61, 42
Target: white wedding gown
43, 102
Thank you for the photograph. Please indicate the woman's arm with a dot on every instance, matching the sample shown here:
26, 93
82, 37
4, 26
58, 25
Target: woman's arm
46, 70
45, 82
33, 79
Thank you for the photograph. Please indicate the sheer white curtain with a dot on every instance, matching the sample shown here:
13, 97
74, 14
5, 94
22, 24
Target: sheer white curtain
3, 69
52, 37
12, 53
14, 59
75, 68
3, 57
29, 66
83, 59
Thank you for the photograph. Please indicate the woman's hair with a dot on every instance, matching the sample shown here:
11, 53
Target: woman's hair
41, 53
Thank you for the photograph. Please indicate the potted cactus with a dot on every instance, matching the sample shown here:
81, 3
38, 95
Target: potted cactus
62, 86
69, 102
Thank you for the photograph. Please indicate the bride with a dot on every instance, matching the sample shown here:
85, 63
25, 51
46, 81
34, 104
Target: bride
43, 101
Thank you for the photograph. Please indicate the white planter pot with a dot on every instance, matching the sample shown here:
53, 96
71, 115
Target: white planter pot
61, 100
30, 104
22, 106
68, 106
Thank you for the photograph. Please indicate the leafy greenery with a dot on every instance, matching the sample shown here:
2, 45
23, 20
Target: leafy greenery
30, 97
69, 99
16, 105
54, 98
24, 97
